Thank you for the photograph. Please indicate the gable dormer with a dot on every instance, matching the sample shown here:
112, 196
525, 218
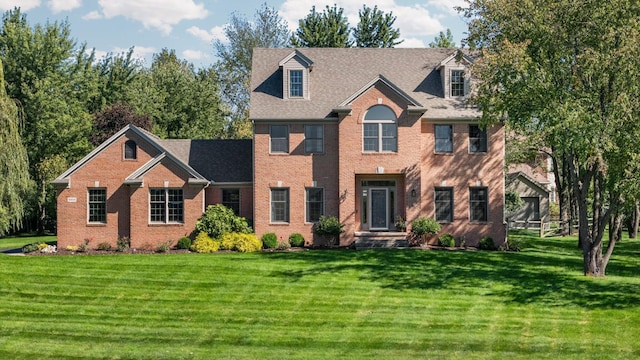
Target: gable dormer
455, 74
295, 76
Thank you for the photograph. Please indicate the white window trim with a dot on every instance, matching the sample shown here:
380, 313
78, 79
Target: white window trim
287, 208
166, 206
435, 139
89, 206
380, 137
486, 135
302, 84
288, 140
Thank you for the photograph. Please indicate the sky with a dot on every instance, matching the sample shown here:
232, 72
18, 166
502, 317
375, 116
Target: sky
190, 26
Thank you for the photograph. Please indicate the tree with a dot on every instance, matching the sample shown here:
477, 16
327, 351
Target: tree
14, 164
116, 73
113, 118
53, 82
267, 30
443, 40
327, 29
375, 29
568, 73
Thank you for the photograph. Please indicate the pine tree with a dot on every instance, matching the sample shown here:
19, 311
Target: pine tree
375, 29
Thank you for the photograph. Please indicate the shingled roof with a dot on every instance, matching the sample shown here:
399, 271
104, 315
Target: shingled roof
220, 161
338, 74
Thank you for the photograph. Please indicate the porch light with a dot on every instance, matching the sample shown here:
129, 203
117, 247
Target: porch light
413, 193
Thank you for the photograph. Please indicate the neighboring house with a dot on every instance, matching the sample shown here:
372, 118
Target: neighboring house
534, 195
151, 190
369, 135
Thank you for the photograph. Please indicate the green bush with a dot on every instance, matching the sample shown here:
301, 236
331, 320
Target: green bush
447, 240
123, 243
42, 246
512, 244
30, 248
296, 240
240, 242
204, 243
269, 240
219, 219
328, 225
184, 243
424, 226
486, 243
104, 246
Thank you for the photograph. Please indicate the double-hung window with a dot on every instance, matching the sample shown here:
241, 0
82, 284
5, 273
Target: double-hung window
478, 204
166, 206
444, 204
231, 199
279, 135
313, 139
279, 205
444, 138
315, 204
97, 206
477, 139
295, 83
457, 83
380, 130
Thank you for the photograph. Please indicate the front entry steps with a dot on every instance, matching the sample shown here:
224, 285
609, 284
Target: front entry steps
381, 240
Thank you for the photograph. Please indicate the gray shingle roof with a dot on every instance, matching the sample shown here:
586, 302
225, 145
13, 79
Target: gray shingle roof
216, 160
337, 74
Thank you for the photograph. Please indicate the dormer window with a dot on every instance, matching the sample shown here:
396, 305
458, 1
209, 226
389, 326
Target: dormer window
130, 150
457, 83
295, 84
295, 75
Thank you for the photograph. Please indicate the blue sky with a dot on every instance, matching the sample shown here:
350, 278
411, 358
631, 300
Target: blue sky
189, 26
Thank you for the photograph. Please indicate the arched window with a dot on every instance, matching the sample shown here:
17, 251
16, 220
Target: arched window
130, 150
380, 131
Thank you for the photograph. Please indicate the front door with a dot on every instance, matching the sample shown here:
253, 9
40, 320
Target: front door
379, 209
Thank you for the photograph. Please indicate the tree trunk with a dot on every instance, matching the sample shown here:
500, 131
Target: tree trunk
635, 221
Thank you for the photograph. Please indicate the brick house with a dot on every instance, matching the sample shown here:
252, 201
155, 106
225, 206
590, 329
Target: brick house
370, 135
367, 135
150, 190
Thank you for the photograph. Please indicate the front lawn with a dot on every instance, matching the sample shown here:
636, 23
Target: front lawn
374, 304
14, 242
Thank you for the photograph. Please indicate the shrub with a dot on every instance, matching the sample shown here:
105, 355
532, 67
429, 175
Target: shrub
283, 245
184, 243
49, 249
84, 247
204, 243
219, 219
424, 226
123, 243
240, 242
105, 246
269, 241
512, 244
42, 246
447, 240
328, 226
72, 248
296, 240
163, 247
30, 248
486, 243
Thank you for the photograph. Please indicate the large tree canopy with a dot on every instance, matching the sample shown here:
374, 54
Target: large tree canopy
329, 28
267, 30
443, 40
567, 71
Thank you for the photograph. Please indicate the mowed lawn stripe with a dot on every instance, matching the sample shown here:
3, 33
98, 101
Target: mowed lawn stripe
321, 304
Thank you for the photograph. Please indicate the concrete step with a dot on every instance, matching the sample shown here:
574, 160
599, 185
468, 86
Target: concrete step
381, 240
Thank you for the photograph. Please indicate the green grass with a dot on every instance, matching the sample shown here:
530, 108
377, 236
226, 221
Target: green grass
374, 304
13, 242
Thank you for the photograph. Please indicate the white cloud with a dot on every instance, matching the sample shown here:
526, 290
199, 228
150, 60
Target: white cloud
216, 33
57, 6
412, 21
448, 5
194, 55
24, 5
411, 43
93, 15
139, 52
156, 14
